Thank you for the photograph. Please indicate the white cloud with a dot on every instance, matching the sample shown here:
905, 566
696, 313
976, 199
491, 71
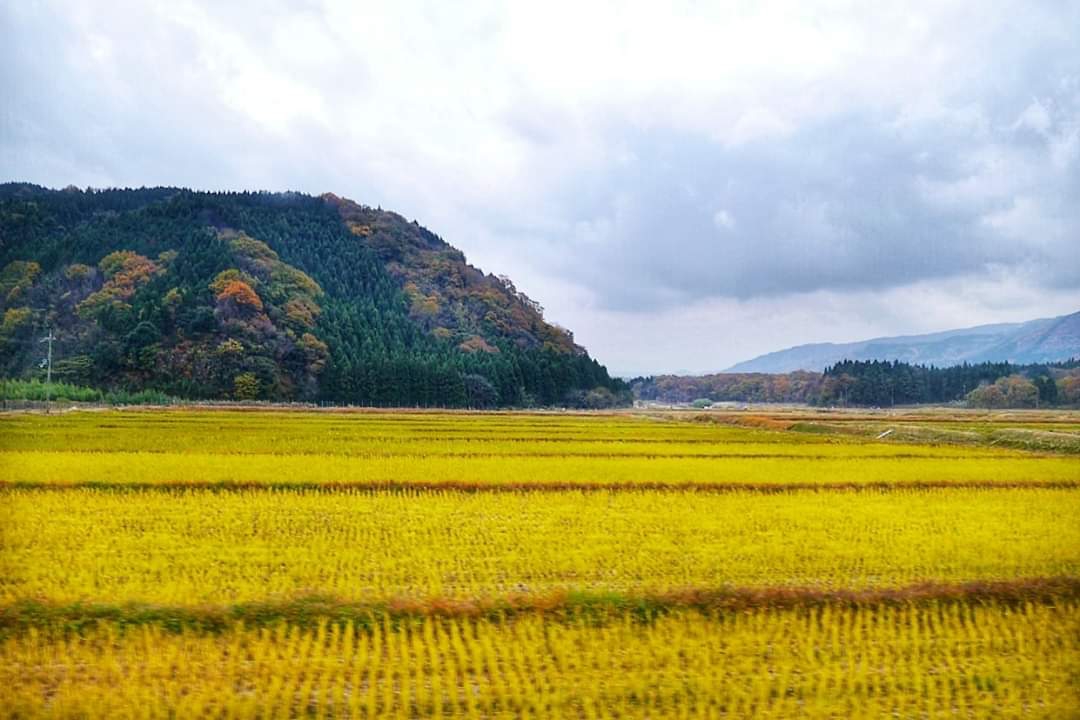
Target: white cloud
1034, 117
723, 220
666, 165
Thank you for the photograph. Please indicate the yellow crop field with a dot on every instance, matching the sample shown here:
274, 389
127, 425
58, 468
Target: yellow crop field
539, 471
184, 546
380, 434
926, 662
217, 563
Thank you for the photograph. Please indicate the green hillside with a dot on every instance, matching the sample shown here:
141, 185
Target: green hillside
278, 296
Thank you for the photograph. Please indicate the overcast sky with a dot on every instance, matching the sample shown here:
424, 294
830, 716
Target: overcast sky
683, 189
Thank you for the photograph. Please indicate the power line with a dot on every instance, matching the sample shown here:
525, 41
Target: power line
48, 373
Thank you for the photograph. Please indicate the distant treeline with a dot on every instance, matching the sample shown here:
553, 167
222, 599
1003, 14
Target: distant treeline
879, 383
885, 383
795, 387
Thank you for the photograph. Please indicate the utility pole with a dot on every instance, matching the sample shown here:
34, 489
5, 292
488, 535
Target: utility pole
48, 373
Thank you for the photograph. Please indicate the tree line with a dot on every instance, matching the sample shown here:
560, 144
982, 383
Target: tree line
879, 383
989, 384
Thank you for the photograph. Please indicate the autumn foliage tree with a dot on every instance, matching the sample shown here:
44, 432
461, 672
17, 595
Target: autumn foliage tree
246, 386
239, 297
124, 272
1068, 389
1014, 391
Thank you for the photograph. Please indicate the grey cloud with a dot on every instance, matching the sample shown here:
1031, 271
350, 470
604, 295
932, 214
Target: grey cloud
70, 111
149, 110
851, 203
641, 192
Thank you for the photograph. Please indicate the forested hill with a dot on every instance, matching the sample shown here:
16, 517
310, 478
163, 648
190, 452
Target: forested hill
277, 296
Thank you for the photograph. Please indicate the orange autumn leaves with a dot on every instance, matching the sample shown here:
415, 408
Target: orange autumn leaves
240, 295
124, 272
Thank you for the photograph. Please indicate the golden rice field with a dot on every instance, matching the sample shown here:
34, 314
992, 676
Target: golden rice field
182, 546
463, 451
183, 563
927, 662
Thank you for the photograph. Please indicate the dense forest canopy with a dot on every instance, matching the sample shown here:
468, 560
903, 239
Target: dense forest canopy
279, 296
888, 383
879, 383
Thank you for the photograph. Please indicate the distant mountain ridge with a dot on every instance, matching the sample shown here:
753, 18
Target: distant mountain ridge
1036, 341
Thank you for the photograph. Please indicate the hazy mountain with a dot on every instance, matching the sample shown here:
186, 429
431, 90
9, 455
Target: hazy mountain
1044, 340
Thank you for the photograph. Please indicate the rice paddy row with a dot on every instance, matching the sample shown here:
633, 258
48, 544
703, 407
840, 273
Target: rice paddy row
927, 661
421, 434
195, 546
